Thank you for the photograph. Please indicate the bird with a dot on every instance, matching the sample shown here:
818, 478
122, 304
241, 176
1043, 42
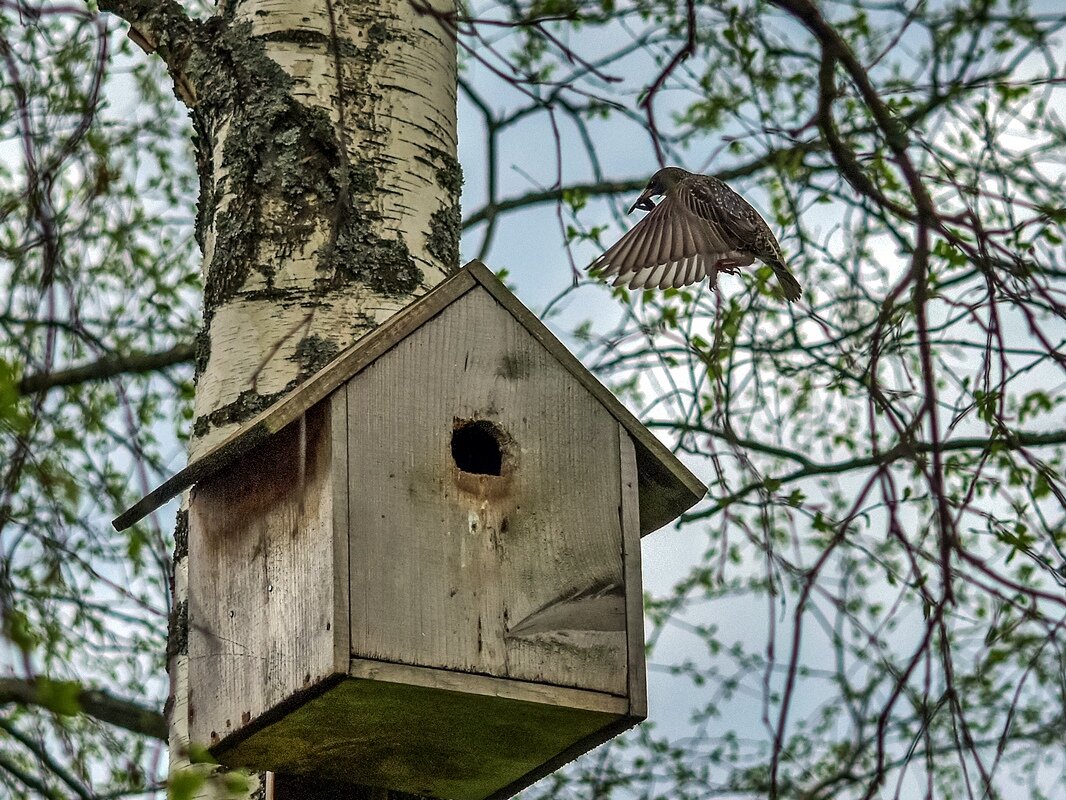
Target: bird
700, 228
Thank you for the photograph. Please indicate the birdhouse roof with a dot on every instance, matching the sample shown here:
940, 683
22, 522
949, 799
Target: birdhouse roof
667, 488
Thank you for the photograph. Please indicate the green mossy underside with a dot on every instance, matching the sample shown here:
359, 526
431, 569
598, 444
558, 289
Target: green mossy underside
429, 742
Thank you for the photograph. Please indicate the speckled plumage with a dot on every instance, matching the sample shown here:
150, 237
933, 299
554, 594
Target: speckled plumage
701, 228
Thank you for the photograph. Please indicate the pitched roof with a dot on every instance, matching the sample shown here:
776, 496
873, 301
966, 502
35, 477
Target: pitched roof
667, 488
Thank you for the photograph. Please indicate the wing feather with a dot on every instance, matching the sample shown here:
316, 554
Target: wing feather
648, 253
668, 276
681, 278
697, 270
615, 259
670, 247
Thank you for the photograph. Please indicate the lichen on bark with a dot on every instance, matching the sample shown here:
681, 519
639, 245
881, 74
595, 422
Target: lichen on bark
449, 173
181, 534
325, 143
313, 353
356, 252
445, 226
178, 630
442, 240
247, 405
285, 172
203, 351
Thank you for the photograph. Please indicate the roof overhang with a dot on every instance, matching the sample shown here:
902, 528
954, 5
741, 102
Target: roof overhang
667, 487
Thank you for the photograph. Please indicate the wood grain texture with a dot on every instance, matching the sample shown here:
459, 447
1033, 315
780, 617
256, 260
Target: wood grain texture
262, 612
629, 512
338, 482
446, 563
484, 685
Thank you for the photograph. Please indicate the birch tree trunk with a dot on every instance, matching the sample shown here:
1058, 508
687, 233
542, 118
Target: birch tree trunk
329, 197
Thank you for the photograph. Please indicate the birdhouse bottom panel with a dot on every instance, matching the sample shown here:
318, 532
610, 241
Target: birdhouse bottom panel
424, 740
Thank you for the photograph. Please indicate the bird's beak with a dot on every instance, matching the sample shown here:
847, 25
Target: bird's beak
644, 202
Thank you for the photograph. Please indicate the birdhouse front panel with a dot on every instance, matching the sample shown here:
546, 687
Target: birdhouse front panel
484, 503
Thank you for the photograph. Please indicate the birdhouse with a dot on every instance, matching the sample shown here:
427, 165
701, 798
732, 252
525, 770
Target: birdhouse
421, 569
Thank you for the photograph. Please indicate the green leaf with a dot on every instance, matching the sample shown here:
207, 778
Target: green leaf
184, 784
18, 629
577, 199
12, 417
62, 697
198, 754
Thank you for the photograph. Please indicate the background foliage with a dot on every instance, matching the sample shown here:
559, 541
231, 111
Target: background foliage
870, 603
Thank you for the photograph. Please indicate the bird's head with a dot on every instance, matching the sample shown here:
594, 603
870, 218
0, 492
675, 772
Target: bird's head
661, 182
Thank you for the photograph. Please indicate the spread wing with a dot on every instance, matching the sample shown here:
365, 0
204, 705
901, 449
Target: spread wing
669, 247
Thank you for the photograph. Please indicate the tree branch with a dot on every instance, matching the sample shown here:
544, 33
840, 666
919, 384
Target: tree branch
27, 779
162, 27
95, 703
892, 129
46, 759
1010, 440
107, 367
605, 188
686, 50
844, 157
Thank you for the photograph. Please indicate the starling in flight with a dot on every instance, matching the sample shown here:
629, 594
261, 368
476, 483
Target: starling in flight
701, 228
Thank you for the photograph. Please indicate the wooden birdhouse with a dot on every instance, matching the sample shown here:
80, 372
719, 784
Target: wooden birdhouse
421, 569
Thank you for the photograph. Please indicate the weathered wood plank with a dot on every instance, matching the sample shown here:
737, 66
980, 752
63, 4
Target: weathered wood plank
446, 563
338, 433
629, 511
484, 685
261, 595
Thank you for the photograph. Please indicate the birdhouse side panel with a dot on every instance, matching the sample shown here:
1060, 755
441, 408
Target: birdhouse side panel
636, 671
485, 496
267, 610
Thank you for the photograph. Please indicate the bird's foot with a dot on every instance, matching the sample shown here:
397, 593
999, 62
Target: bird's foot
727, 266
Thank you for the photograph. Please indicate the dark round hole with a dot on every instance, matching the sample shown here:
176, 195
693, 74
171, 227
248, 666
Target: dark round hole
476, 448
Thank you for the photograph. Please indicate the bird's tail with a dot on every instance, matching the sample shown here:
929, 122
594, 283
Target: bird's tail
789, 285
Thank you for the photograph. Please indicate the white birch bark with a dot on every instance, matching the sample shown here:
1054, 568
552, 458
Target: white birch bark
396, 113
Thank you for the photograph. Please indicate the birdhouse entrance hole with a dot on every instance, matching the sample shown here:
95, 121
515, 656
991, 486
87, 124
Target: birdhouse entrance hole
476, 447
